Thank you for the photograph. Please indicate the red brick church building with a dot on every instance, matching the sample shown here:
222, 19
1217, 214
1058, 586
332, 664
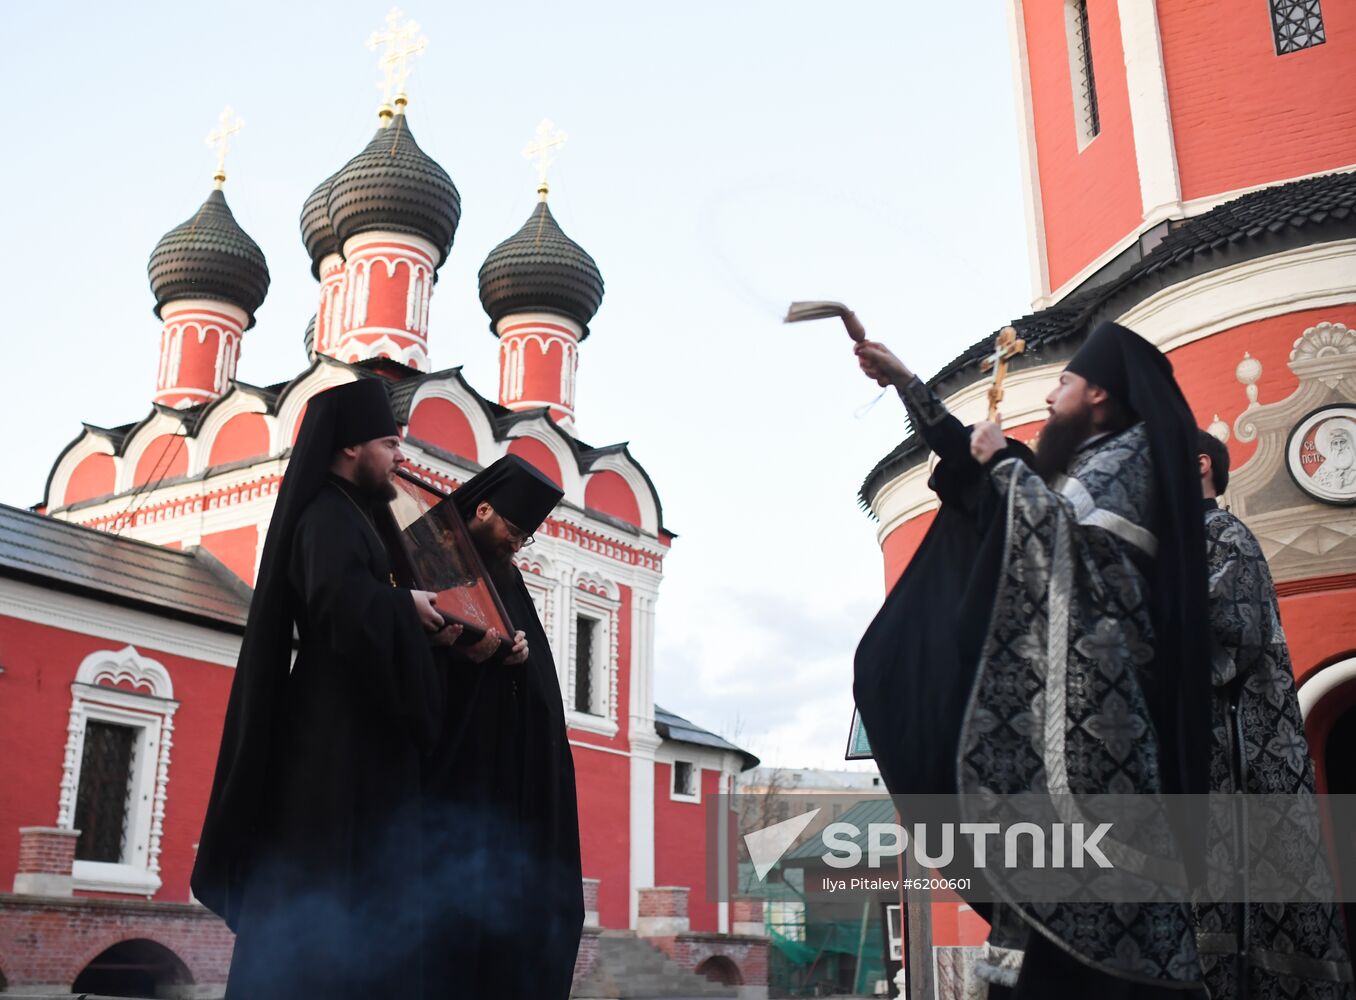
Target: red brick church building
123, 594
1190, 172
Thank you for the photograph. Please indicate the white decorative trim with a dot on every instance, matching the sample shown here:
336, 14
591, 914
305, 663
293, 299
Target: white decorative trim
95, 696
1026, 152
541, 429
325, 376
1078, 81
236, 402
87, 616
618, 462
603, 610
696, 773
1088, 270
159, 424
89, 444
643, 746
1160, 183
1323, 682
1312, 277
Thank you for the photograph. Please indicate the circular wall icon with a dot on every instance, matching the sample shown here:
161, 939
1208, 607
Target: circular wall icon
1321, 454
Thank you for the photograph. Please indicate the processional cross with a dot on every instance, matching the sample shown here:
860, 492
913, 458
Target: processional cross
542, 151
402, 43
220, 137
1006, 346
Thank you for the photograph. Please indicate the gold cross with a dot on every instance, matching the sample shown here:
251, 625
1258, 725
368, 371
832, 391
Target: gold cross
541, 151
1006, 346
401, 45
220, 137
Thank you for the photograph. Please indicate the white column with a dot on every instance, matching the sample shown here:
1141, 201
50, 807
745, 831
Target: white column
1150, 117
644, 742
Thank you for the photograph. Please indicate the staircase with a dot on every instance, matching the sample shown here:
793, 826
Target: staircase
627, 967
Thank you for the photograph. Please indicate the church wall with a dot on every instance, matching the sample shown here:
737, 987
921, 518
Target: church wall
243, 436
680, 836
1319, 627
1104, 173
1244, 116
533, 451
608, 492
164, 458
40, 665
93, 477
601, 781
441, 423
237, 548
901, 544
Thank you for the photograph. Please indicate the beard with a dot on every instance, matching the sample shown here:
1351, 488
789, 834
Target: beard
1060, 438
373, 484
498, 562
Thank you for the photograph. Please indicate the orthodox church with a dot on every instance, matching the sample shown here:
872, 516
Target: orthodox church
1190, 172
123, 595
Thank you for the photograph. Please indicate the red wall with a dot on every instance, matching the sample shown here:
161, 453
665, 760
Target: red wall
441, 423
40, 664
533, 451
243, 436
93, 477
603, 781
164, 458
237, 548
1319, 628
387, 295
198, 361
1090, 199
680, 837
608, 492
1242, 115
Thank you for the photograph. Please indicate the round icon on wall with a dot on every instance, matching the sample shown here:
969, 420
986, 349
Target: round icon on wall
1321, 454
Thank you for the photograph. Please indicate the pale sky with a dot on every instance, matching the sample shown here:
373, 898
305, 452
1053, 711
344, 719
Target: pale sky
724, 158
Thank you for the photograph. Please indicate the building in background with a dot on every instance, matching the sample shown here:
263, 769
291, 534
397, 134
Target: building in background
1190, 172
123, 595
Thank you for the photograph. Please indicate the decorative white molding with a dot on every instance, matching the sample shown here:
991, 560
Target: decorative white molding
618, 462
236, 402
541, 429
325, 376
148, 710
1323, 682
1150, 116
1026, 152
643, 746
1199, 206
89, 444
87, 616
159, 424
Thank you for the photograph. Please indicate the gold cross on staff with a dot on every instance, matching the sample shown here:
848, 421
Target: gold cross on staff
1006, 346
220, 137
541, 151
401, 43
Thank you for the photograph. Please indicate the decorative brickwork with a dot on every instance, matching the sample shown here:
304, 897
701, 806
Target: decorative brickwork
48, 942
690, 951
46, 854
662, 911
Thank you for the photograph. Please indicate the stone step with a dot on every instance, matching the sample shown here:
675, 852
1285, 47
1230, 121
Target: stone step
627, 967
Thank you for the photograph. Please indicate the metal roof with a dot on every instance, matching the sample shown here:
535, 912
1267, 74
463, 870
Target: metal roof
191, 586
209, 257
861, 815
676, 728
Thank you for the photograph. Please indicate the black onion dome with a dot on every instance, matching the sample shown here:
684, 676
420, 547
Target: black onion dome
209, 257
393, 184
540, 269
316, 231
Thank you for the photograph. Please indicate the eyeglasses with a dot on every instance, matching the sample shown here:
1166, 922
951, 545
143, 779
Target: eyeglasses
517, 535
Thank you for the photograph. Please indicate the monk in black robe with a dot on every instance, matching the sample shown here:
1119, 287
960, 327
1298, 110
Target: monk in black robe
310, 844
502, 825
1261, 951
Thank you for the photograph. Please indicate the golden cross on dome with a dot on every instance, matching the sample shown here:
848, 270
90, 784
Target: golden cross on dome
401, 43
220, 137
542, 151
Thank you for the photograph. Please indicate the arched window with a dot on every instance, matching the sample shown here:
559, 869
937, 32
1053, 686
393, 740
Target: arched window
116, 770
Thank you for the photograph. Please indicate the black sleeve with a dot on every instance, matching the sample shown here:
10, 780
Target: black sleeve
369, 627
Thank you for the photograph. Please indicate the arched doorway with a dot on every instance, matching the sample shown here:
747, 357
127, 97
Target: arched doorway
719, 969
1328, 701
136, 968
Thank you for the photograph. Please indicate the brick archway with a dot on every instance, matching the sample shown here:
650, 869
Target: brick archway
133, 967
720, 969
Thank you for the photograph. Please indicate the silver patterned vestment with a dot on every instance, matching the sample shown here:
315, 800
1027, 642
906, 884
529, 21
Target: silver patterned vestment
1058, 707
1293, 950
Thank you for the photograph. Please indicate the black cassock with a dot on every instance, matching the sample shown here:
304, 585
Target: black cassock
502, 862
330, 901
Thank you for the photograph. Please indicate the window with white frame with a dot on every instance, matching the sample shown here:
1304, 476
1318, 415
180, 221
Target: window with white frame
1087, 120
591, 688
115, 773
686, 781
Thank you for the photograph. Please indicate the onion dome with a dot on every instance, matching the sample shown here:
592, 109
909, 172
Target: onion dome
394, 185
540, 269
209, 257
316, 231
308, 339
